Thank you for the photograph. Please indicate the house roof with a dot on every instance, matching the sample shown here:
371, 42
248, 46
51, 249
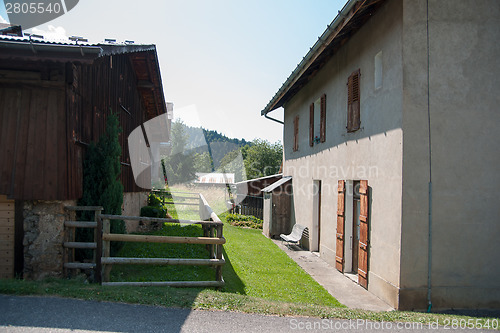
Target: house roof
144, 60
349, 20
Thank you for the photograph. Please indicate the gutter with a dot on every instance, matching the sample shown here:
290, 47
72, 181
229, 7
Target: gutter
308, 59
33, 49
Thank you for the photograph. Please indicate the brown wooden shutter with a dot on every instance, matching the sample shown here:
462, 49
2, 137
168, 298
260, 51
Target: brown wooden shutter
322, 127
339, 254
311, 125
353, 99
296, 133
363, 234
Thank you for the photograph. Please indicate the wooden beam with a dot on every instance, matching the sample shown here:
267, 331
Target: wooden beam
80, 245
161, 239
80, 224
83, 208
161, 261
181, 284
79, 265
157, 219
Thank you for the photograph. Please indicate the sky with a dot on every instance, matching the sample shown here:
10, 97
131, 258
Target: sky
221, 60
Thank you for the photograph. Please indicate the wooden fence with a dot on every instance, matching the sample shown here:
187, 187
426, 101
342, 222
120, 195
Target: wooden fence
102, 261
70, 243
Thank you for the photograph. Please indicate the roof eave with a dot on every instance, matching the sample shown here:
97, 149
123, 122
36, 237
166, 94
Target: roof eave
332, 32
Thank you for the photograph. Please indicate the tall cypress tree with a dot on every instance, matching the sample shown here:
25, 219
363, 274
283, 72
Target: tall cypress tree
101, 183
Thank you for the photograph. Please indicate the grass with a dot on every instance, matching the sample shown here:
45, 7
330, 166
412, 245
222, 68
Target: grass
258, 268
260, 278
152, 250
207, 299
255, 266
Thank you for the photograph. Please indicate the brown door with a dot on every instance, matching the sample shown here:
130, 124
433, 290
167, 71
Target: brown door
363, 234
339, 253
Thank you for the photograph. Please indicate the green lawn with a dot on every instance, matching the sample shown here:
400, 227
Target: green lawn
255, 266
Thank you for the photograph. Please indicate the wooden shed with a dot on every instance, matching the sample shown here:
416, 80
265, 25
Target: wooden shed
277, 208
55, 99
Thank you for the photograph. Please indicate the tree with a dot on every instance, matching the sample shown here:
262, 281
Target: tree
101, 183
232, 163
179, 166
263, 158
203, 162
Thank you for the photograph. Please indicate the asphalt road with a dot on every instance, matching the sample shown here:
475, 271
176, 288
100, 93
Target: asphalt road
51, 314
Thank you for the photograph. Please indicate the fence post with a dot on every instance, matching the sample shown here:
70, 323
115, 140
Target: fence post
218, 269
212, 246
98, 251
106, 250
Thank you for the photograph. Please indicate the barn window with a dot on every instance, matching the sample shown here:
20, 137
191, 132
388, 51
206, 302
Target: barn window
353, 105
296, 133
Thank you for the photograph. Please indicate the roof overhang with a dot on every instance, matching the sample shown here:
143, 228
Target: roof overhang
32, 50
349, 20
144, 60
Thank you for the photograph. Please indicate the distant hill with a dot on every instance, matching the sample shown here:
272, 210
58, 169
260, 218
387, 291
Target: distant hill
217, 145
199, 136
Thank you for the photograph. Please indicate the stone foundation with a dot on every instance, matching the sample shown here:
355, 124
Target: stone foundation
43, 238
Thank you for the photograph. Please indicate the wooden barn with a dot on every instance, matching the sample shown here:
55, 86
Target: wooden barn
54, 101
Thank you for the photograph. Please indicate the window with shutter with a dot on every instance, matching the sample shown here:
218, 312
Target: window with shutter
296, 133
353, 102
322, 125
311, 125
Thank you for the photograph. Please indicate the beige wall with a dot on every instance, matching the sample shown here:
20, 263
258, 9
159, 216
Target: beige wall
464, 74
132, 204
373, 153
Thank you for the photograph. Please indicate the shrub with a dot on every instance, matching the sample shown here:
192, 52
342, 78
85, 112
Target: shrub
247, 221
153, 211
101, 184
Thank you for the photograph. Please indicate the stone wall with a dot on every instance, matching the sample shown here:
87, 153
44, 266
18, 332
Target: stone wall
43, 238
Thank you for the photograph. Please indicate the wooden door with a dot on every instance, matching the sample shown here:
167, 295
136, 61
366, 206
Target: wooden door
6, 238
363, 234
339, 253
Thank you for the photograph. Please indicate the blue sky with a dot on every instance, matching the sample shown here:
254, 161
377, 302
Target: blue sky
221, 60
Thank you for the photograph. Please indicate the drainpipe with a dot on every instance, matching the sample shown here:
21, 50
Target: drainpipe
429, 249
273, 119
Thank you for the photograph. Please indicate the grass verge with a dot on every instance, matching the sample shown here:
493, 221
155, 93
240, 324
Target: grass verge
213, 300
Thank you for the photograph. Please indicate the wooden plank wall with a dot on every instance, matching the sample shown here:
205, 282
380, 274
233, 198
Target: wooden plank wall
48, 116
33, 160
6, 238
108, 84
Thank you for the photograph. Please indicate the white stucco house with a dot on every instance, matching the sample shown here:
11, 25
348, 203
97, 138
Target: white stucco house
391, 137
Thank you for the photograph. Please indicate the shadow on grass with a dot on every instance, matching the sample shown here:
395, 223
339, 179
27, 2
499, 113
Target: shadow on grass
233, 281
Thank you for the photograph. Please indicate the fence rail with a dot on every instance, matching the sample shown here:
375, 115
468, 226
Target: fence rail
212, 237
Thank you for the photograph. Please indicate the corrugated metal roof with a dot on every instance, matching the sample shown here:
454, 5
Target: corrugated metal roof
107, 48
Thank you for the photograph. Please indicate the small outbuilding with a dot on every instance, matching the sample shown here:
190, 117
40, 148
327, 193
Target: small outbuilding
277, 208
